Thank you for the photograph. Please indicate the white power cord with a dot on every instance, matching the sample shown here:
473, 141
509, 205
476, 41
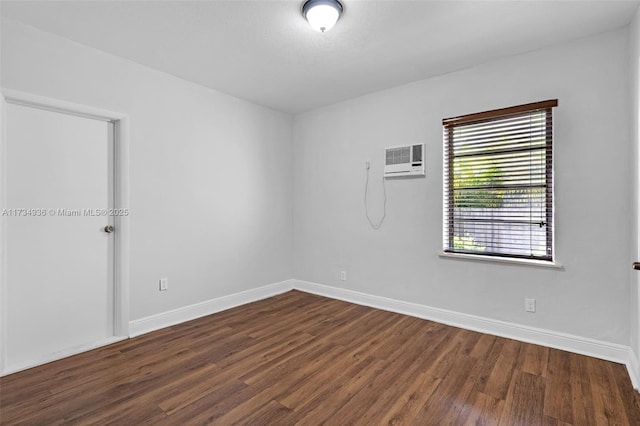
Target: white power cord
375, 226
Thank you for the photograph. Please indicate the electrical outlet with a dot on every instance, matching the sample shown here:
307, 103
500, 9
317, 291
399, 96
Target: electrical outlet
530, 305
367, 165
343, 275
164, 284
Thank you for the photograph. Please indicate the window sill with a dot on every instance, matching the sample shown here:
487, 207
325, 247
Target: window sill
493, 259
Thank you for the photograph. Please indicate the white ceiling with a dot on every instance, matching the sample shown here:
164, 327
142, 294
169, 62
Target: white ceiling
264, 51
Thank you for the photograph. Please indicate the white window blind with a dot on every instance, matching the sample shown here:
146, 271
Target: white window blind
498, 182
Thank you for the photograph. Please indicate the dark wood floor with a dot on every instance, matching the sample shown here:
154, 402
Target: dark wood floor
303, 359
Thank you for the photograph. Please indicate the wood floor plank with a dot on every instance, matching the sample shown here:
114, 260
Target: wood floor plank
128, 414
608, 410
183, 393
271, 358
450, 397
325, 409
469, 340
213, 405
483, 346
500, 379
406, 361
302, 359
272, 413
354, 330
404, 383
121, 393
602, 378
583, 406
295, 394
267, 347
38, 409
630, 400
280, 382
489, 357
534, 359
524, 404
481, 409
337, 320
407, 406
445, 353
558, 402
401, 335
261, 323
281, 366
314, 392
373, 344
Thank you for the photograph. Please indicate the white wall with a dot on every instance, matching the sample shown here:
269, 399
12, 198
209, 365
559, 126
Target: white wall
210, 193
588, 298
634, 74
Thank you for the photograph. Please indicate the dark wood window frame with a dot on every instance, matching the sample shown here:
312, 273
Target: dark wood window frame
500, 140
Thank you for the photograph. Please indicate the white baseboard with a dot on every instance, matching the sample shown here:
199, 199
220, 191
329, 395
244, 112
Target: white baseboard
208, 307
55, 356
567, 342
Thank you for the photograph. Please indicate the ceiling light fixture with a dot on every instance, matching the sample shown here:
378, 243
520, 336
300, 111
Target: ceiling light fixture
322, 14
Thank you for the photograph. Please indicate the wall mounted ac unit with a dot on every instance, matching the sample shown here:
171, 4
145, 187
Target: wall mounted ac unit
404, 161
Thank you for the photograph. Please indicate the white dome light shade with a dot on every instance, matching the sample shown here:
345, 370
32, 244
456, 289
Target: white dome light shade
322, 14
322, 17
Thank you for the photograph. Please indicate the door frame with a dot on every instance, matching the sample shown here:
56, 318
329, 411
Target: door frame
121, 200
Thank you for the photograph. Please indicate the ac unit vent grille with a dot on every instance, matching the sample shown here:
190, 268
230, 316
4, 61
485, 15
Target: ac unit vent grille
398, 155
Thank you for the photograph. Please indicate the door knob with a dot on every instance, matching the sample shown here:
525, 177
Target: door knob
108, 229
636, 266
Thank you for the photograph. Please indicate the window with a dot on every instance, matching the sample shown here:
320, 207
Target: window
498, 182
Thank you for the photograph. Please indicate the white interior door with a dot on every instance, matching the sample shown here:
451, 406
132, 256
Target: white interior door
59, 259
